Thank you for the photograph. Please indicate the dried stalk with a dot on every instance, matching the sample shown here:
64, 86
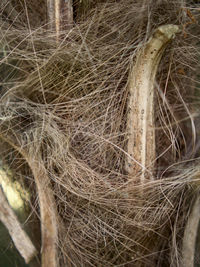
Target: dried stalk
48, 212
60, 15
57, 18
20, 238
190, 234
140, 121
51, 14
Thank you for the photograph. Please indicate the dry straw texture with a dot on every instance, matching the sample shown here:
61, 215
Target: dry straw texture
64, 110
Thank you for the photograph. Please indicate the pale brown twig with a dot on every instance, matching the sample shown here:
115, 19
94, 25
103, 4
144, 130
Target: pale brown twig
140, 122
190, 234
18, 235
48, 212
51, 14
60, 15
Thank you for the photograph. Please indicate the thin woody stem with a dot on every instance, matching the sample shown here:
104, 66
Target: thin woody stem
20, 238
48, 212
51, 14
190, 235
60, 15
140, 121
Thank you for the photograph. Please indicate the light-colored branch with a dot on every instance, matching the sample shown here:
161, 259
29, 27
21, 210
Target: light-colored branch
48, 212
20, 238
140, 121
60, 15
50, 14
190, 235
57, 18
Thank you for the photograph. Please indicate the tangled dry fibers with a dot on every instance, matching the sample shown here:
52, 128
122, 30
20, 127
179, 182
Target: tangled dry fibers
63, 110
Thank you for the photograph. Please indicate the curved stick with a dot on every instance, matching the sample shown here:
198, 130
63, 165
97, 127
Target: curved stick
190, 234
140, 121
48, 212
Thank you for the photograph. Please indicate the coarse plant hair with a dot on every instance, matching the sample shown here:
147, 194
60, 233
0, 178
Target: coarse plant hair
64, 104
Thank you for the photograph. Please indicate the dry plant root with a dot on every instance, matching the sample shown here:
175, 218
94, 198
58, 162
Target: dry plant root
18, 235
48, 212
140, 121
